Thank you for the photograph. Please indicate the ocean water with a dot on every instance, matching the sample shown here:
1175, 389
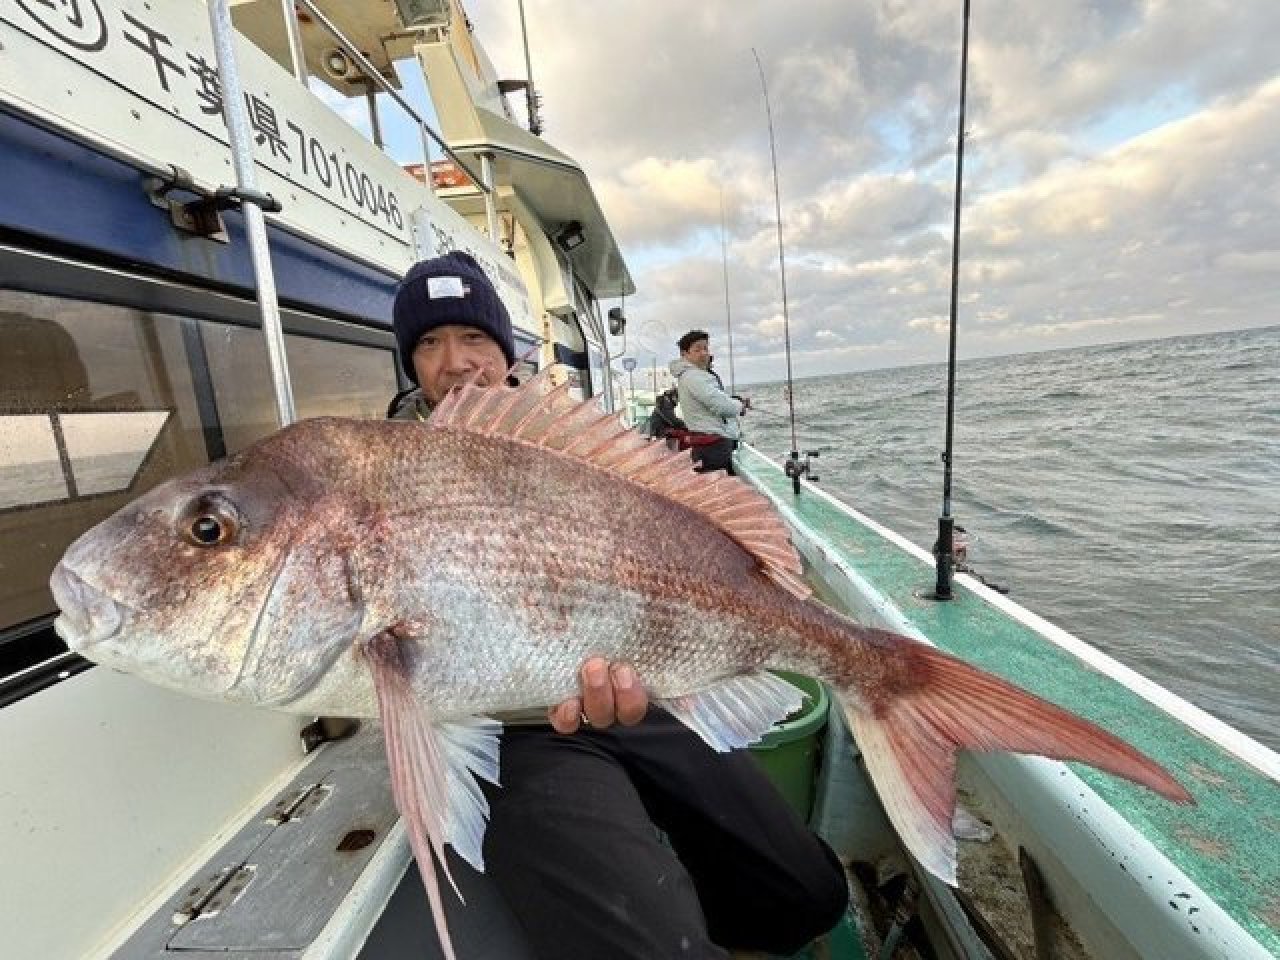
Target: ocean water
1129, 493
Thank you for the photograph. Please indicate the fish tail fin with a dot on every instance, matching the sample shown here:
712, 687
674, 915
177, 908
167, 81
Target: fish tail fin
941, 705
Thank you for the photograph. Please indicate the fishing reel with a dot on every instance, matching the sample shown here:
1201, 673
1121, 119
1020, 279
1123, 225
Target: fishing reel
795, 468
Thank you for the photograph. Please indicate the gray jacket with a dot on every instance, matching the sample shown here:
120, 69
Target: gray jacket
410, 406
705, 406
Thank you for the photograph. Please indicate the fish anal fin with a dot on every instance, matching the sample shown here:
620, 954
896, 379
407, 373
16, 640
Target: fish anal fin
736, 712
432, 769
915, 777
936, 705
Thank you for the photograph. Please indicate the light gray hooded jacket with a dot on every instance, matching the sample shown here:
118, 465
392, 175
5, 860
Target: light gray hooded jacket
704, 405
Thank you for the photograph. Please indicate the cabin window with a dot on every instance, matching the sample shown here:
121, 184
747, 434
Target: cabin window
329, 379
595, 369
99, 403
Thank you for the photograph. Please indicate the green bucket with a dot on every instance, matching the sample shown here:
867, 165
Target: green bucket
789, 752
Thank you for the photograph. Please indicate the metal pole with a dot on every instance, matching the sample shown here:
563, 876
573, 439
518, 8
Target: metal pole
254, 222
426, 157
531, 98
297, 52
371, 97
728, 318
944, 552
490, 207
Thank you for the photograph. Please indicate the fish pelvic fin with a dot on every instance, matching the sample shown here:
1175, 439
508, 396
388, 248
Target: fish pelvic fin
910, 735
432, 780
541, 415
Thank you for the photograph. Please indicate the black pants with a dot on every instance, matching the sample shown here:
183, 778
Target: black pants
573, 849
715, 456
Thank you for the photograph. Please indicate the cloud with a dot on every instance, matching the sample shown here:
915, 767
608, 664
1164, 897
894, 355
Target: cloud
1120, 178
661, 200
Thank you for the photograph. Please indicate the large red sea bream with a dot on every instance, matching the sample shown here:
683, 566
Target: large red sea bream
432, 575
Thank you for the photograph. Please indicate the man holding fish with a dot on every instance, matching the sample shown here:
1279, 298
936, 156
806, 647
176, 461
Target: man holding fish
414, 572
571, 840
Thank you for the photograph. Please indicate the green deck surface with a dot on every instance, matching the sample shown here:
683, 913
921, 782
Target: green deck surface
1226, 843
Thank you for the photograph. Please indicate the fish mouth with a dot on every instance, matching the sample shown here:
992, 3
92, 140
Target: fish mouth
87, 616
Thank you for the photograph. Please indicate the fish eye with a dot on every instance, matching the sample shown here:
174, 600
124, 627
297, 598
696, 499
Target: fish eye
209, 523
207, 530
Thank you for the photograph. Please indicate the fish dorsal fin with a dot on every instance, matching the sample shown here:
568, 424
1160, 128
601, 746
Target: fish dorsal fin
540, 415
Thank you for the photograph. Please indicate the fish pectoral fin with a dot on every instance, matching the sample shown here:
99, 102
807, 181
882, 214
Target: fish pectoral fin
470, 751
433, 770
738, 711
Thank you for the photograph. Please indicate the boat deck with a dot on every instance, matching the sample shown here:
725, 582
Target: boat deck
1226, 843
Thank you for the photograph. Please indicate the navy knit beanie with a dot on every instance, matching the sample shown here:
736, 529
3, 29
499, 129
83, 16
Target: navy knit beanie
444, 290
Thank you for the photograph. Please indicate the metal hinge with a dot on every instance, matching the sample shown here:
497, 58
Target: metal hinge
299, 803
202, 216
211, 896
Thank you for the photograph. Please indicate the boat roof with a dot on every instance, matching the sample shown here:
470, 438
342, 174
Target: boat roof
475, 119
556, 188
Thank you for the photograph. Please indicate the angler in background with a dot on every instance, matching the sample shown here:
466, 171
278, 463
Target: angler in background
664, 422
571, 843
710, 413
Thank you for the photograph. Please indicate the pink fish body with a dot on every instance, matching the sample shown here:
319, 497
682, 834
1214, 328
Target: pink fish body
435, 575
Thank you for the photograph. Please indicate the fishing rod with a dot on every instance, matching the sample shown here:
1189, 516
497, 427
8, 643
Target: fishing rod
728, 319
944, 549
960, 542
795, 468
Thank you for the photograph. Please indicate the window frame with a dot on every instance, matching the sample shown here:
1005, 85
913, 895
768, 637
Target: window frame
66, 277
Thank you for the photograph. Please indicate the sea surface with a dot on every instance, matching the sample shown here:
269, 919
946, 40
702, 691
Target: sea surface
1129, 493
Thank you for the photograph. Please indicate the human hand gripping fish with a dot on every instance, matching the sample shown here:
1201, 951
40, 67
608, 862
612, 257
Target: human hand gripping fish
360, 568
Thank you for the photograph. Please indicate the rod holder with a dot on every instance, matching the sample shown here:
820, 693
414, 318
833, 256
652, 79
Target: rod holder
795, 468
944, 558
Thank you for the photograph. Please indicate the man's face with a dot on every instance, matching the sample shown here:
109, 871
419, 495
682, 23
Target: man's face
449, 355
699, 353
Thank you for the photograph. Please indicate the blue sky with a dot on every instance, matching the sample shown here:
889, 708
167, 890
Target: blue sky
1121, 173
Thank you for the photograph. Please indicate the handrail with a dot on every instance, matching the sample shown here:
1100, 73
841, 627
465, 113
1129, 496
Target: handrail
375, 76
251, 208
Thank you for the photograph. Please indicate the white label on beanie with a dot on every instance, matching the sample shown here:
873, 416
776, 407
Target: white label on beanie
440, 288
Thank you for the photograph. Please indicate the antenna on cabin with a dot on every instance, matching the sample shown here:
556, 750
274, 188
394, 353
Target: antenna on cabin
728, 317
532, 100
944, 549
795, 467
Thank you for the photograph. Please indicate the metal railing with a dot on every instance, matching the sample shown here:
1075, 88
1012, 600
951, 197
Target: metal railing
373, 75
253, 201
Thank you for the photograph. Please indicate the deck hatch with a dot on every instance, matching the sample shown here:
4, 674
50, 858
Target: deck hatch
272, 887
